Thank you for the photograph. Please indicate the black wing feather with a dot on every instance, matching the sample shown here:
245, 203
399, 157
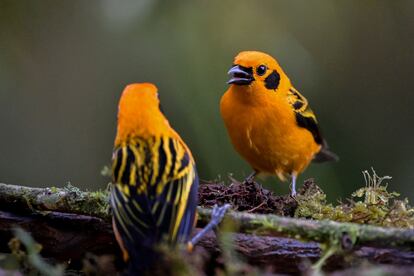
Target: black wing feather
310, 124
306, 118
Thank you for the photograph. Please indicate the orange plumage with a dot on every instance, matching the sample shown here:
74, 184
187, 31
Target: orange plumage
139, 114
269, 122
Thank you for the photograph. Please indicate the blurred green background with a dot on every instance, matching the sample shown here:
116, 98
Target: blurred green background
63, 65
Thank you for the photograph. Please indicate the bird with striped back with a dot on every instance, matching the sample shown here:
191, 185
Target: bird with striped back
269, 122
154, 197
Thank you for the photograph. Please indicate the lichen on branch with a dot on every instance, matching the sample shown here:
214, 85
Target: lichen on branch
377, 207
310, 203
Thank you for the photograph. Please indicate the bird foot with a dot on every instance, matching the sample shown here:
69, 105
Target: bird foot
217, 216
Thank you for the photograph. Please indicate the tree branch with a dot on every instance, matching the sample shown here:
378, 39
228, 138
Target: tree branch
67, 237
73, 201
330, 232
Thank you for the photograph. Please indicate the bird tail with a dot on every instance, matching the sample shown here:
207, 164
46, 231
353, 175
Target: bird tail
142, 261
325, 155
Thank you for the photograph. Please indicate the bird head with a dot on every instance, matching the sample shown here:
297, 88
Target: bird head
139, 113
255, 71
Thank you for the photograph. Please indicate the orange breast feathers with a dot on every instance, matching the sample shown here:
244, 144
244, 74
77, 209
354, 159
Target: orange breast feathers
261, 119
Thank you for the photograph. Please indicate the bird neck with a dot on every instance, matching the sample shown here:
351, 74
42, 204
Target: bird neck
139, 123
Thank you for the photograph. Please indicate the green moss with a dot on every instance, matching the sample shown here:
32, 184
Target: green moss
74, 200
101, 198
372, 204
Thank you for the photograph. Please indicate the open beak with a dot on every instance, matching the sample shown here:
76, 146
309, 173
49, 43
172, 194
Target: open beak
240, 75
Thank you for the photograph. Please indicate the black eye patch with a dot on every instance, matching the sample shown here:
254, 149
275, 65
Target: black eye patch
272, 81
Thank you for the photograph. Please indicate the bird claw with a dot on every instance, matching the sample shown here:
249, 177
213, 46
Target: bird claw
216, 217
218, 214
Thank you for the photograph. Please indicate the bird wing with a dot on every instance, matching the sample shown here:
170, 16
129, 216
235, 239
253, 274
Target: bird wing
155, 193
306, 118
304, 115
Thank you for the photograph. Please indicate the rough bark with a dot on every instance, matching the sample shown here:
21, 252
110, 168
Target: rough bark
345, 234
68, 223
69, 237
73, 201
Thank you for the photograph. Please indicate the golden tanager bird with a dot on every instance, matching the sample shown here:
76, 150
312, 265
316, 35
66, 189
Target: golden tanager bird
154, 197
269, 122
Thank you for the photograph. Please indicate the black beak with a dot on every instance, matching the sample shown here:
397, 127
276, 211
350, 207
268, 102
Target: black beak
240, 75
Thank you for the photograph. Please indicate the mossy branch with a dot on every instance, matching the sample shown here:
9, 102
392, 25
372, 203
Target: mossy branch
65, 200
71, 200
345, 234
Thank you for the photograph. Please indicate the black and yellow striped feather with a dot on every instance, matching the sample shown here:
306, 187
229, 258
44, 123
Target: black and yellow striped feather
306, 118
154, 197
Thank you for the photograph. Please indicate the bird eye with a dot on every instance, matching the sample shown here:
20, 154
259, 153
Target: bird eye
261, 70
